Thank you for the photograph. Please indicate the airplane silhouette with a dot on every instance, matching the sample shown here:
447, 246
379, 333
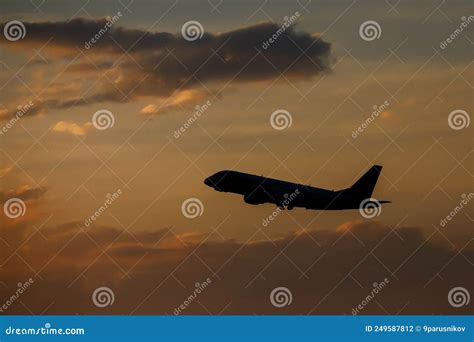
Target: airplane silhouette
259, 190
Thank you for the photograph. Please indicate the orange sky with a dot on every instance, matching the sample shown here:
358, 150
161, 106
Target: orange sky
321, 71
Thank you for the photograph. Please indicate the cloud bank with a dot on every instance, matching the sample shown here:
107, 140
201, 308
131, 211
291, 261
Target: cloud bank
162, 64
154, 272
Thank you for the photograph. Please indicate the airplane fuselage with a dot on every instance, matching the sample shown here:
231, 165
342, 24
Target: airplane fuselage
258, 190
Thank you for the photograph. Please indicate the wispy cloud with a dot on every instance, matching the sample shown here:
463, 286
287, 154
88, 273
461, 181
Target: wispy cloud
72, 128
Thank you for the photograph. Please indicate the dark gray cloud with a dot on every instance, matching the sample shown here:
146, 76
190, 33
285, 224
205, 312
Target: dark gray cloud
160, 64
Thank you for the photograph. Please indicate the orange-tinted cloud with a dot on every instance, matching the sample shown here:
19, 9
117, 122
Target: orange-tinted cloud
181, 100
72, 128
5, 170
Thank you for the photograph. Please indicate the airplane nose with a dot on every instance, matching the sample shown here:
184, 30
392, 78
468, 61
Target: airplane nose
207, 181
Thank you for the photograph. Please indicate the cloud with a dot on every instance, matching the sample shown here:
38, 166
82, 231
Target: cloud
12, 230
24, 192
153, 272
181, 100
5, 170
72, 128
164, 65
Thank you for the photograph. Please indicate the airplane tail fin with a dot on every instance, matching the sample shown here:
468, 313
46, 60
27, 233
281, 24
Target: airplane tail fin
364, 187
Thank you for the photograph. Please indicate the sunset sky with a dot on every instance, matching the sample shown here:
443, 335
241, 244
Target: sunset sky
150, 79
